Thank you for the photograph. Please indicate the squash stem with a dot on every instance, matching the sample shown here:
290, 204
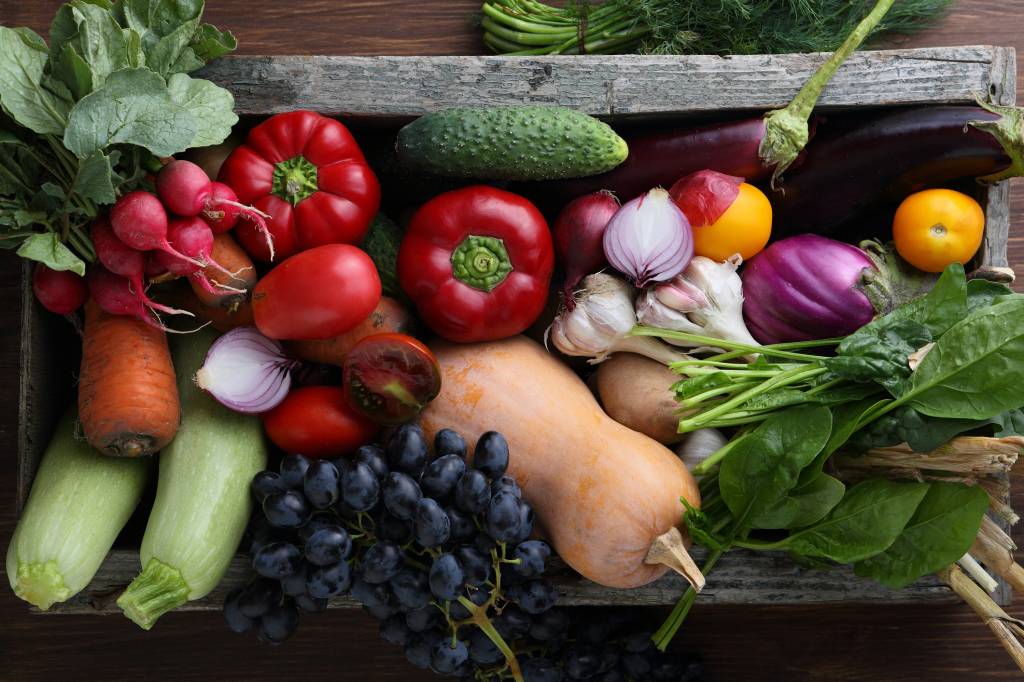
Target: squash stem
154, 592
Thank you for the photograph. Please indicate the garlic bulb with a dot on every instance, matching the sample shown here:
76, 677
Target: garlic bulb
600, 322
698, 445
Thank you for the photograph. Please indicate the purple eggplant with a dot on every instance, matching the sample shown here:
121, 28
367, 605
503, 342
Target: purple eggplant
851, 169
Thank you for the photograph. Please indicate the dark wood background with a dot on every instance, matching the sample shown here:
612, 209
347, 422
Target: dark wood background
738, 643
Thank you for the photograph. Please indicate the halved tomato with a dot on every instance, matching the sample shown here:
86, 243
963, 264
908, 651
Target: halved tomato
389, 378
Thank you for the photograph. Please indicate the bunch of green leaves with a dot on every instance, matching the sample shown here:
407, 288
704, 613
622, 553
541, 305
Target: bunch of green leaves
771, 493
83, 118
689, 26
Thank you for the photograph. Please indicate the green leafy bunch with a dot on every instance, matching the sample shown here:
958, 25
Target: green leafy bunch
84, 119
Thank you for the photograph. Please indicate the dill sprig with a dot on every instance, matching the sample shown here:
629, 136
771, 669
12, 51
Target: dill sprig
530, 27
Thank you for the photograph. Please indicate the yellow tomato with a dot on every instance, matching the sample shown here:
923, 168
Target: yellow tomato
936, 227
744, 228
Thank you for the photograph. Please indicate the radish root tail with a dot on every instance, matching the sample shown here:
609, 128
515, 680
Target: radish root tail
669, 549
260, 218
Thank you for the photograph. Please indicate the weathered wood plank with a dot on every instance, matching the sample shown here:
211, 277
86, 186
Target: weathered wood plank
607, 85
739, 578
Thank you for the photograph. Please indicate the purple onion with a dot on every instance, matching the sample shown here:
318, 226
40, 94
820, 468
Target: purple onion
805, 288
649, 239
246, 372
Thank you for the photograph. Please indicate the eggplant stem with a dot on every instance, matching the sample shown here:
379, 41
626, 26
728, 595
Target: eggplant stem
669, 549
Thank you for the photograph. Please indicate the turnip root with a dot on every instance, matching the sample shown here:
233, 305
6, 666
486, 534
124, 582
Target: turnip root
637, 392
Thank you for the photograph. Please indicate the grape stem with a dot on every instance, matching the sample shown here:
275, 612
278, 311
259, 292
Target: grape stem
478, 616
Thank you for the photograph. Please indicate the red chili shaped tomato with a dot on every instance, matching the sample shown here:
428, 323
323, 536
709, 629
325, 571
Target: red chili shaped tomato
307, 172
316, 421
477, 262
316, 294
389, 378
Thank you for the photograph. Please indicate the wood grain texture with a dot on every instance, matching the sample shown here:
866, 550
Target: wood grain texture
905, 642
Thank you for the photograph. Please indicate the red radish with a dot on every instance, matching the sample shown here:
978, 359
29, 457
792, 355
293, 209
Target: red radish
225, 215
113, 293
186, 190
155, 270
59, 291
579, 234
125, 261
140, 221
193, 237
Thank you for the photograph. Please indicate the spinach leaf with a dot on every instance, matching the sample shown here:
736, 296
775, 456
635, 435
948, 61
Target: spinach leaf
803, 506
211, 106
940, 532
764, 466
23, 95
869, 518
982, 293
1009, 423
906, 425
133, 107
785, 397
48, 249
973, 371
687, 388
880, 354
844, 423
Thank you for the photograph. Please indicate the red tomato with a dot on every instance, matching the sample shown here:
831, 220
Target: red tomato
389, 378
317, 294
315, 421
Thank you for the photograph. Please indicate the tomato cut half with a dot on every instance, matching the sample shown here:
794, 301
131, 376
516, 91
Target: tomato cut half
389, 378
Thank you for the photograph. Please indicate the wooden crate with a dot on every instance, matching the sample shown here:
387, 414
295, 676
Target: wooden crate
382, 91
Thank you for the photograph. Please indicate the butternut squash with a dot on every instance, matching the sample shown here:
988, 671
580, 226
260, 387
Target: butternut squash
607, 497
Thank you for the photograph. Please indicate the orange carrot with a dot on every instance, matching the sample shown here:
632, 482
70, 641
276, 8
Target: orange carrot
388, 316
228, 253
127, 392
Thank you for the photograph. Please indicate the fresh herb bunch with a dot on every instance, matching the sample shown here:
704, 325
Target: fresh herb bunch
528, 27
84, 119
939, 365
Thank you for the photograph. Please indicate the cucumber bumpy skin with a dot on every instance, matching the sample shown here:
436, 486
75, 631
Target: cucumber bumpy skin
510, 143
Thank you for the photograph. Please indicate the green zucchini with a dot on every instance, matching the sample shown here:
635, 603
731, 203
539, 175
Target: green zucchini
202, 499
80, 501
510, 143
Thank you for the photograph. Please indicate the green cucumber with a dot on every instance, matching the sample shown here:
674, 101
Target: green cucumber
80, 501
510, 143
381, 243
202, 499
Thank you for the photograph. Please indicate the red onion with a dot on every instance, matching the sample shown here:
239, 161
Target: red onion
578, 233
246, 372
649, 239
705, 195
804, 288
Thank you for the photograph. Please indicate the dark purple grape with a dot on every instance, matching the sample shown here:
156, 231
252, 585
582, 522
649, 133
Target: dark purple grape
636, 666
328, 545
393, 630
484, 543
423, 619
446, 577
513, 622
293, 470
260, 533
462, 527
610, 653
286, 510
394, 529
381, 562
667, 669
328, 581
594, 631
237, 621
321, 484
401, 495
447, 656
507, 484
406, 450
432, 527
295, 584
316, 522
278, 624
581, 662
533, 596
638, 642
266, 482
550, 625
531, 556
381, 611
504, 518
258, 597
420, 648
373, 457
310, 604
359, 487
411, 588
472, 492
458, 611
612, 676
369, 594
449, 442
441, 475
476, 565
526, 518
540, 670
491, 454
482, 650
277, 560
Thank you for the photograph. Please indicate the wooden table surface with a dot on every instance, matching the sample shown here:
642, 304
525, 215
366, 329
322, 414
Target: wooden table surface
738, 643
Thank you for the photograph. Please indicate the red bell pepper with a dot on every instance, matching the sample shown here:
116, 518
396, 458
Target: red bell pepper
307, 172
477, 262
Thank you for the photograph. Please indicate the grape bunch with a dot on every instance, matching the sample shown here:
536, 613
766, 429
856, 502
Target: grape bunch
439, 551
